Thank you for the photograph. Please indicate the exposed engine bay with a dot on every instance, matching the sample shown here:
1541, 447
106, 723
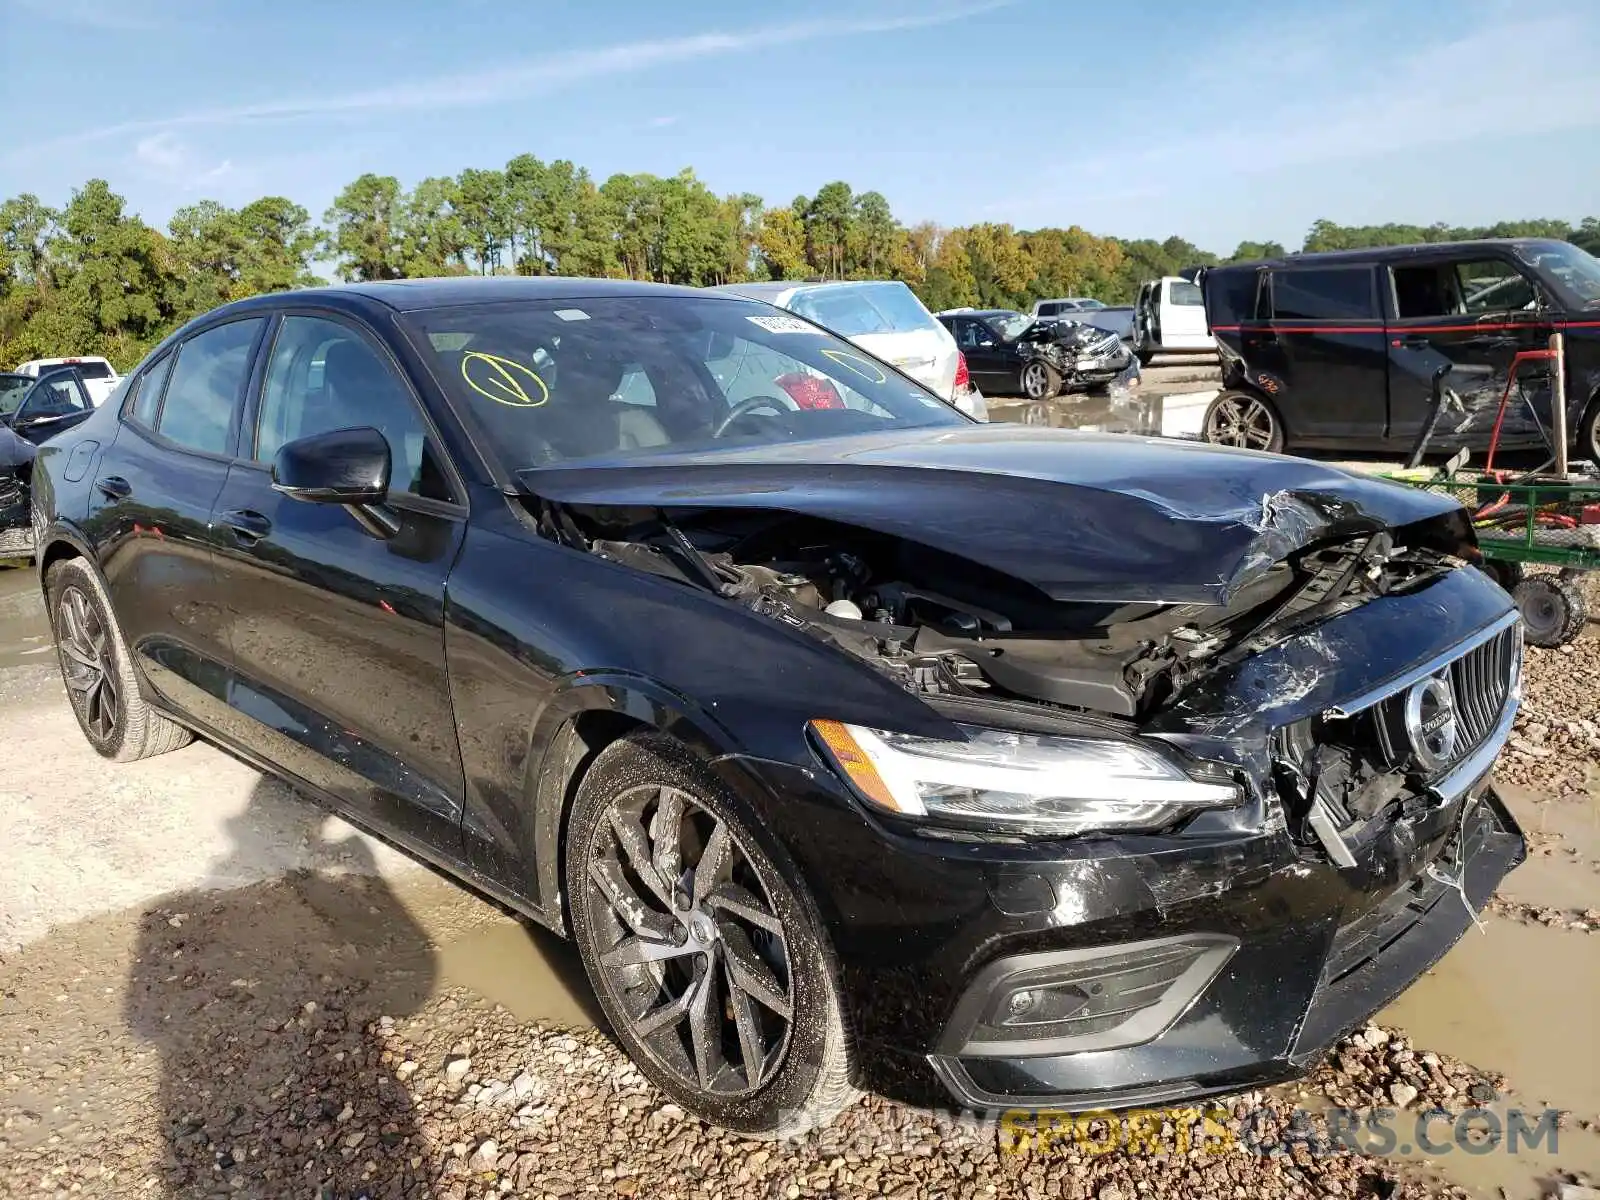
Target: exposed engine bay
941, 624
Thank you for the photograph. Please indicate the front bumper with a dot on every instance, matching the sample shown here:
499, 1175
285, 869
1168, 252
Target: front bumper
1284, 996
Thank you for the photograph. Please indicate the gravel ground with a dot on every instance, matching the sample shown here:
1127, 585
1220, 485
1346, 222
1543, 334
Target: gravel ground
242, 1055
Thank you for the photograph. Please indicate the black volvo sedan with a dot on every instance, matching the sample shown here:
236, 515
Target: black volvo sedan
851, 740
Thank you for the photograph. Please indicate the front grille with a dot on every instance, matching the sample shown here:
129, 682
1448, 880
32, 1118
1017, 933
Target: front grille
1481, 683
1389, 751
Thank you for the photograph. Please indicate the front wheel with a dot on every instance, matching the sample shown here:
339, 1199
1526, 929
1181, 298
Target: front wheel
1039, 381
1243, 419
708, 963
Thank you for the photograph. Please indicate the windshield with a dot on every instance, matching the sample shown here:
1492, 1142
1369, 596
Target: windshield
564, 380
1573, 270
12, 389
1010, 325
856, 309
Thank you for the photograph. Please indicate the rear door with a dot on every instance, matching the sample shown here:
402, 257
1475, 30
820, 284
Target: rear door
337, 634
1322, 354
991, 365
150, 512
1474, 311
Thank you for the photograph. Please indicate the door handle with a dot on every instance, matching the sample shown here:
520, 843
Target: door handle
114, 487
248, 526
1415, 341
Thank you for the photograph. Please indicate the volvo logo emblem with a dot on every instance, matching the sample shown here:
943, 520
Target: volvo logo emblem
1431, 723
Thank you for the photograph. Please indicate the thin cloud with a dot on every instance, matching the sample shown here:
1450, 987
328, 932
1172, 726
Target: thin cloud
164, 156
661, 122
1420, 105
119, 16
533, 76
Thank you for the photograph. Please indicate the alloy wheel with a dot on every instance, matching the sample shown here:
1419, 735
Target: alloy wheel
1240, 421
1035, 381
89, 669
697, 959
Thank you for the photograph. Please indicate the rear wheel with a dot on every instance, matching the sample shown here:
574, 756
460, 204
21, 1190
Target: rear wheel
98, 670
1554, 608
1587, 442
1039, 380
1244, 419
708, 963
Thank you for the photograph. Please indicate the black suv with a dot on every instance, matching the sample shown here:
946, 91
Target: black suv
1339, 350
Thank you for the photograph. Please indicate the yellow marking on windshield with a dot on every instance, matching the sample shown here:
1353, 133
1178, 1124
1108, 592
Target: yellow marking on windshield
502, 380
848, 361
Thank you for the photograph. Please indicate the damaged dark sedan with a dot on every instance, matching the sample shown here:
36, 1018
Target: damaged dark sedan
855, 744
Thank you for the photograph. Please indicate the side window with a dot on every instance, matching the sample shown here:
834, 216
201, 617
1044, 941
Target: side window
1490, 285
147, 391
969, 334
206, 383
1183, 294
323, 376
1050, 310
1467, 287
1324, 294
58, 395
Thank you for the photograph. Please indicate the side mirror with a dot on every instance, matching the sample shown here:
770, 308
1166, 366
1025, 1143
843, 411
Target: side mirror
344, 466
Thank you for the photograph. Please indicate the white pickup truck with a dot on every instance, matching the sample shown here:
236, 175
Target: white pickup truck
98, 375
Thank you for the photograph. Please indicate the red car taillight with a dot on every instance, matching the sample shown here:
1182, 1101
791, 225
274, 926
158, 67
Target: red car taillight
808, 391
962, 378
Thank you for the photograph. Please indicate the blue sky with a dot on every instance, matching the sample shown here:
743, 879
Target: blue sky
1218, 121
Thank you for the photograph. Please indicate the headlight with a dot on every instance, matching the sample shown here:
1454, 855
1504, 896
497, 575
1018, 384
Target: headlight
1030, 782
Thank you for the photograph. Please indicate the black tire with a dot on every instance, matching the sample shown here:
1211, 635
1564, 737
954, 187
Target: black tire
1503, 571
1587, 443
1038, 380
1554, 608
98, 670
1247, 419
747, 928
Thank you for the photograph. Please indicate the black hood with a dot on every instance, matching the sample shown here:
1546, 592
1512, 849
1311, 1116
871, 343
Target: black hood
1080, 516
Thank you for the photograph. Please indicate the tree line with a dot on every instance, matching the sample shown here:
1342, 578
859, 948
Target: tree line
93, 278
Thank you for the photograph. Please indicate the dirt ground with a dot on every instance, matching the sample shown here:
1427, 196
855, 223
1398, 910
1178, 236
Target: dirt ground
210, 988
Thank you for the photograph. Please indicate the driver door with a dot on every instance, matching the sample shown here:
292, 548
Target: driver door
57, 402
1476, 313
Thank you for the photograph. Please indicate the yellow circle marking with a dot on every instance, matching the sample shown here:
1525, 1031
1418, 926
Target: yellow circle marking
503, 380
848, 361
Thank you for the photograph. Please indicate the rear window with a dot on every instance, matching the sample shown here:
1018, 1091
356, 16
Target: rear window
1324, 294
1230, 295
864, 308
1185, 295
94, 370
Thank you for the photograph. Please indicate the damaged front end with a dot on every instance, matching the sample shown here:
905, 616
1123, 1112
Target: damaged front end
16, 517
1094, 356
1292, 673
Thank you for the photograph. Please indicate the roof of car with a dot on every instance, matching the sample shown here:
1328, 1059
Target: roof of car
1375, 253
410, 295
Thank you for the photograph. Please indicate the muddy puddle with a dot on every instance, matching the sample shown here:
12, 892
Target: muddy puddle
1521, 999
24, 632
1141, 411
